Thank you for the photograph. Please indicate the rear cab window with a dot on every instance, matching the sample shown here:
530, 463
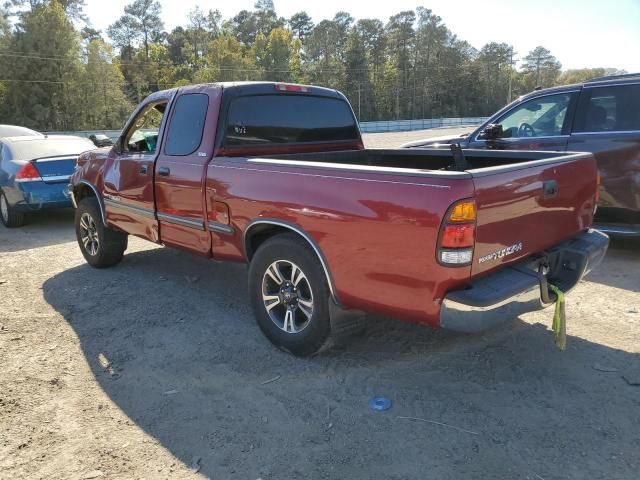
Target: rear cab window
277, 119
613, 108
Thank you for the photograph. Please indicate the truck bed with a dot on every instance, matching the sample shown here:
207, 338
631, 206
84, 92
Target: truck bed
428, 159
526, 201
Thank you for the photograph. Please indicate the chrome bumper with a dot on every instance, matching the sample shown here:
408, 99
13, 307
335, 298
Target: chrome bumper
520, 288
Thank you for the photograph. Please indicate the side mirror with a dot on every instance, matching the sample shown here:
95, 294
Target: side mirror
492, 131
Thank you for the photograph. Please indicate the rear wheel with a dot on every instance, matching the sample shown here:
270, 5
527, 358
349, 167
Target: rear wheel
100, 246
8, 215
290, 295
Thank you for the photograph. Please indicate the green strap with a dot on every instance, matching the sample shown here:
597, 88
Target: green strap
559, 326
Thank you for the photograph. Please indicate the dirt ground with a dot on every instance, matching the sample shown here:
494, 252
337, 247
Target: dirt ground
156, 369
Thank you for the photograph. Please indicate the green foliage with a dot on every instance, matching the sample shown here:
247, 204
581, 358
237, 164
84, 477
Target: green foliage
56, 77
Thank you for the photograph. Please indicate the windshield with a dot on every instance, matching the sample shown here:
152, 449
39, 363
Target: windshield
49, 147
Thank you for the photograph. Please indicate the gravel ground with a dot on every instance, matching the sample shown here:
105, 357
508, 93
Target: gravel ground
155, 369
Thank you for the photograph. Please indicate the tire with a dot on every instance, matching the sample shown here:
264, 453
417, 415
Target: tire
298, 333
100, 246
8, 215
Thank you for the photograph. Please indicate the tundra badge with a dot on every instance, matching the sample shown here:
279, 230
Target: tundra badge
501, 253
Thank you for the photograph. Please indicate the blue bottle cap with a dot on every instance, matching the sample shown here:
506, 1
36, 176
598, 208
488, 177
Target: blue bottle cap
380, 403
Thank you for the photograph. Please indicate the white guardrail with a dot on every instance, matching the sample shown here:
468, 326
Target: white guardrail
365, 127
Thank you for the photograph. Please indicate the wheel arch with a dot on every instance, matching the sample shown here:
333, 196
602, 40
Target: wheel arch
84, 189
259, 231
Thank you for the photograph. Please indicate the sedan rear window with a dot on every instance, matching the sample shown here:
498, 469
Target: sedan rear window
281, 119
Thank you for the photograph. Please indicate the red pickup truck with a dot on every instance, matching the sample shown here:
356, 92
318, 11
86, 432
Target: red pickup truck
276, 175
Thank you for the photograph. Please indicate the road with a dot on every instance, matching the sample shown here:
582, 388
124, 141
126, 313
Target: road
156, 369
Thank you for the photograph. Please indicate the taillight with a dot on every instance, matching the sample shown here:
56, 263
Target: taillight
27, 173
457, 234
287, 87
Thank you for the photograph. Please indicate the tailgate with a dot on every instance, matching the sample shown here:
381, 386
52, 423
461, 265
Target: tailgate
528, 207
56, 169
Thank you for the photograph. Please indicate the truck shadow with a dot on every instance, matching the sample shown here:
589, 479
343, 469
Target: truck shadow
43, 229
183, 358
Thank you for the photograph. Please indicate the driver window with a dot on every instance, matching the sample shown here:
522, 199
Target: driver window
538, 117
142, 136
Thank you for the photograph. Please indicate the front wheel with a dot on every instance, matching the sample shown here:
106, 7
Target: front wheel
100, 246
290, 295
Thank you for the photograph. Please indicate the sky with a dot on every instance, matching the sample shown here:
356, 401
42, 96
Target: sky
580, 33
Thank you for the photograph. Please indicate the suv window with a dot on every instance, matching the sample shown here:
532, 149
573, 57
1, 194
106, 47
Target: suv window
280, 118
538, 117
142, 136
185, 131
609, 109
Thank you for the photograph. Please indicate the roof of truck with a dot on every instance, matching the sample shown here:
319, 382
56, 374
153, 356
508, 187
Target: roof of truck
249, 87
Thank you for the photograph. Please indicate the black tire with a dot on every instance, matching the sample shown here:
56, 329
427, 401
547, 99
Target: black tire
110, 245
290, 248
8, 215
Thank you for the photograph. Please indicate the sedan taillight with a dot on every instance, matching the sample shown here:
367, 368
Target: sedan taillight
28, 173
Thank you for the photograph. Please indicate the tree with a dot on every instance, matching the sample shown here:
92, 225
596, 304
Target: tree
278, 55
495, 68
301, 25
5, 41
125, 33
400, 42
102, 84
541, 67
43, 93
196, 32
584, 74
145, 16
357, 80
72, 8
89, 34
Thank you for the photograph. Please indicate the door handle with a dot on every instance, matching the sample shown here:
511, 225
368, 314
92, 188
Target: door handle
550, 188
143, 170
164, 171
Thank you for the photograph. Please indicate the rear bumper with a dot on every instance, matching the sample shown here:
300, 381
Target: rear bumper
521, 288
37, 195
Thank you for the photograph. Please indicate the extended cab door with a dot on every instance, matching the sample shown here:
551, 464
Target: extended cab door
181, 166
608, 125
128, 177
540, 123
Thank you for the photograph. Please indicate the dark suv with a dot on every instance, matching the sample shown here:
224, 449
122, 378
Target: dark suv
601, 116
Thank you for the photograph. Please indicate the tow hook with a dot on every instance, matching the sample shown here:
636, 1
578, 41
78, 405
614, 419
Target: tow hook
543, 270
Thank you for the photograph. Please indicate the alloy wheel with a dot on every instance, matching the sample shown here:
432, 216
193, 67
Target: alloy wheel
89, 234
287, 296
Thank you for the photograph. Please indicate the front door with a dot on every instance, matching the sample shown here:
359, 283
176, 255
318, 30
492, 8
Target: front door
128, 179
180, 169
541, 123
608, 125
